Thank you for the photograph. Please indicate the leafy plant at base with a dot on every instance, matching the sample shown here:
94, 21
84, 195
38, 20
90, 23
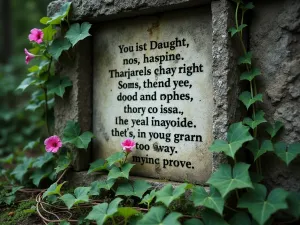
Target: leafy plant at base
138, 188
80, 195
54, 189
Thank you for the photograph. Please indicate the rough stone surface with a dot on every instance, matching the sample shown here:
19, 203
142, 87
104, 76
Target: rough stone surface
275, 45
99, 10
225, 73
76, 104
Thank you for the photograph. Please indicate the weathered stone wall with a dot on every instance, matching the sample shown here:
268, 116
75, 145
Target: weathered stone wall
274, 41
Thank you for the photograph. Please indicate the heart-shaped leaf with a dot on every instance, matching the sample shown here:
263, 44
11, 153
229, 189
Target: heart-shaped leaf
260, 206
21, 169
114, 158
101, 212
102, 184
237, 135
123, 171
285, 152
58, 17
210, 217
272, 130
168, 194
212, 200
234, 30
78, 32
226, 178
251, 74
240, 218
148, 198
42, 160
98, 165
72, 135
41, 173
293, 201
253, 146
127, 212
247, 99
257, 119
81, 195
58, 46
138, 188
156, 216
49, 32
54, 189
246, 59
193, 221
58, 85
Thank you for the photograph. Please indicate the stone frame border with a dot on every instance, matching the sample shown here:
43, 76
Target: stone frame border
77, 64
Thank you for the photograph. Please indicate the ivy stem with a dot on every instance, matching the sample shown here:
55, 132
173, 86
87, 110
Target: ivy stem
230, 208
113, 220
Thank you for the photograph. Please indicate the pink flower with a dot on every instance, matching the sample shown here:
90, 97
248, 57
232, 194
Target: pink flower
36, 35
53, 144
128, 144
29, 56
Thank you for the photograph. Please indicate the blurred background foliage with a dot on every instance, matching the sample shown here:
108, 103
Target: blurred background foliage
17, 126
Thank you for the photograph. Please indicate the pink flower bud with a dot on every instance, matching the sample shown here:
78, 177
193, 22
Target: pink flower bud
29, 56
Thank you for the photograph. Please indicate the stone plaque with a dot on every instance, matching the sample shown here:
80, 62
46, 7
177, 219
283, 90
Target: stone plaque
153, 83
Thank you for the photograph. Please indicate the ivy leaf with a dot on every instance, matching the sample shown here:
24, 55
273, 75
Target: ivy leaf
193, 221
287, 153
58, 85
246, 59
233, 30
64, 222
58, 46
253, 146
54, 189
20, 171
138, 188
167, 194
10, 197
32, 144
103, 184
272, 130
103, 211
250, 75
49, 32
81, 195
26, 83
148, 198
226, 178
98, 165
240, 218
237, 135
260, 206
212, 218
72, 135
212, 200
116, 172
257, 119
247, 99
44, 20
40, 174
247, 6
78, 32
62, 163
294, 204
127, 212
156, 217
117, 157
42, 160
58, 17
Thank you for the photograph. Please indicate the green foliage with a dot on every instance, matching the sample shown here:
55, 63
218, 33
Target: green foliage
168, 194
246, 59
273, 130
78, 32
237, 135
257, 119
58, 86
248, 100
287, 153
260, 206
41, 173
117, 172
257, 151
58, 17
209, 217
103, 184
148, 198
226, 178
115, 158
234, 30
80, 195
293, 201
102, 212
156, 216
72, 134
54, 189
251, 74
240, 218
58, 46
137, 188
20, 171
98, 165
212, 200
